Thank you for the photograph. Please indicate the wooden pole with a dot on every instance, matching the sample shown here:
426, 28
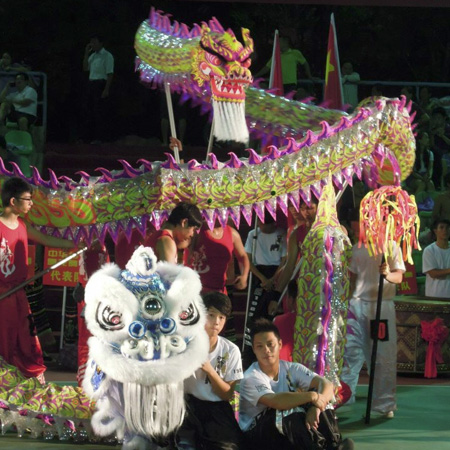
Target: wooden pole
173, 130
373, 358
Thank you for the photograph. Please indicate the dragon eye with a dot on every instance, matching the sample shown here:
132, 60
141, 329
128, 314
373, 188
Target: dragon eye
247, 63
213, 59
189, 316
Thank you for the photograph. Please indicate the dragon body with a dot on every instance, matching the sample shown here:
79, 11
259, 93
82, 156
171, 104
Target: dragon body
207, 62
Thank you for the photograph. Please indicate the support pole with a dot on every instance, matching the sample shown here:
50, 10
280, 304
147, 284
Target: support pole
211, 140
42, 273
250, 279
63, 317
173, 130
373, 358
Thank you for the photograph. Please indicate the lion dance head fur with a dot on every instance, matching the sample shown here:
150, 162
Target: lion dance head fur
148, 333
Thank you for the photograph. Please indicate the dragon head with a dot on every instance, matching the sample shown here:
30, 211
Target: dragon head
224, 62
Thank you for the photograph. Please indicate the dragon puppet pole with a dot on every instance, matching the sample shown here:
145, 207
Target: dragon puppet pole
297, 267
388, 223
173, 130
250, 280
211, 139
373, 357
42, 273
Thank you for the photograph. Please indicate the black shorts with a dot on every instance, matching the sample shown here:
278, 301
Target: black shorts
14, 116
210, 426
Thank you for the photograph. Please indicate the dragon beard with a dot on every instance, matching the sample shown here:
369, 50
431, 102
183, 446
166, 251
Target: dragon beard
228, 102
229, 121
153, 410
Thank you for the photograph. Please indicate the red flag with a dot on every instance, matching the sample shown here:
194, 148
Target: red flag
276, 76
333, 86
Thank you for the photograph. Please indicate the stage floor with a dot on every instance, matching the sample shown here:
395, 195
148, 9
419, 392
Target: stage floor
420, 422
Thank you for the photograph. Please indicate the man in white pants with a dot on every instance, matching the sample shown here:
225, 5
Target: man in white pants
365, 275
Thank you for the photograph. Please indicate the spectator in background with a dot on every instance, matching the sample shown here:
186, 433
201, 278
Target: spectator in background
377, 91
421, 178
436, 262
290, 60
440, 142
425, 101
100, 65
421, 117
350, 80
19, 106
6, 65
441, 208
269, 256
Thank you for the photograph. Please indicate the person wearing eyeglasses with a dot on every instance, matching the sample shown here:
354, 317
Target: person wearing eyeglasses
19, 344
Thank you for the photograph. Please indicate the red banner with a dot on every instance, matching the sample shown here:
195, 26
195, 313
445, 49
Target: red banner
66, 274
276, 76
408, 286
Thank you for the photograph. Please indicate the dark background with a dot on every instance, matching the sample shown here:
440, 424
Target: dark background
384, 43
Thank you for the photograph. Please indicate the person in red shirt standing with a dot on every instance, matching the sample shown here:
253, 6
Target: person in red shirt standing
211, 253
176, 234
19, 344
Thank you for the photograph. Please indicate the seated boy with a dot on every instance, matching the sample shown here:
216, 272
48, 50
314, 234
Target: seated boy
283, 405
210, 423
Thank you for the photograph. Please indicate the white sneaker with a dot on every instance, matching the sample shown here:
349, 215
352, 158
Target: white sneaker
377, 415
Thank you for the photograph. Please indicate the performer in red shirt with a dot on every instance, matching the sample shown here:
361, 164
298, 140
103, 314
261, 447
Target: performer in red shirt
211, 253
19, 344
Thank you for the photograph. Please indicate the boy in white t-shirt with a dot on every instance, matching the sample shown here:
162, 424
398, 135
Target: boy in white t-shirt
436, 262
210, 423
284, 405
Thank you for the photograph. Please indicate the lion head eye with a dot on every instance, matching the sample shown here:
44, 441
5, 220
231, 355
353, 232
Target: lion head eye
152, 307
108, 319
189, 316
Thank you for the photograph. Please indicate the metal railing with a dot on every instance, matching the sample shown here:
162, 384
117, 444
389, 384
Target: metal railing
393, 88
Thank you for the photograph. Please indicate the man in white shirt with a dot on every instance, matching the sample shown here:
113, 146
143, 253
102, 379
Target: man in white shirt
19, 106
284, 405
436, 262
100, 65
365, 271
269, 255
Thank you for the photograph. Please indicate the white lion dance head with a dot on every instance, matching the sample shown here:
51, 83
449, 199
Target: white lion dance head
148, 333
